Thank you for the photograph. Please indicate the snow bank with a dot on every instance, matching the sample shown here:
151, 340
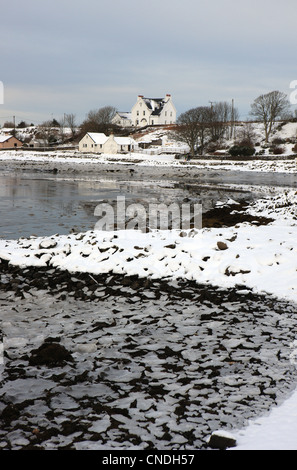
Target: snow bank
276, 431
281, 165
263, 258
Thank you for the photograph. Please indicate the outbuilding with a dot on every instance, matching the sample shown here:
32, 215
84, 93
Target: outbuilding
9, 142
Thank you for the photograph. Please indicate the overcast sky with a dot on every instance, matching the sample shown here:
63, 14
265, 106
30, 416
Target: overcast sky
70, 57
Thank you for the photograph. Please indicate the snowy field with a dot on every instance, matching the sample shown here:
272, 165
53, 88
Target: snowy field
261, 258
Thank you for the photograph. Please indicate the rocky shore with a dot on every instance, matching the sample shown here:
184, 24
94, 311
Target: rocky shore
112, 360
118, 362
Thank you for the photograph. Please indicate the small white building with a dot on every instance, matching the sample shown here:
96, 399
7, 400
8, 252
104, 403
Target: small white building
153, 111
96, 142
122, 119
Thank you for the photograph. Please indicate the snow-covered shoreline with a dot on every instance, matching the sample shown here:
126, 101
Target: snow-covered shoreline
74, 160
261, 257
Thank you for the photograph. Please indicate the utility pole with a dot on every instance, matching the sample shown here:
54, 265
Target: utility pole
211, 103
63, 127
232, 118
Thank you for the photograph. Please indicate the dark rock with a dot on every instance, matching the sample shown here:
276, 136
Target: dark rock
50, 354
221, 440
222, 246
10, 413
230, 215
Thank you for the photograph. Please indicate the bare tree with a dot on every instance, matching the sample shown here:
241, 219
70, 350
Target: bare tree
70, 121
45, 133
246, 135
106, 114
192, 127
268, 108
223, 116
99, 120
204, 114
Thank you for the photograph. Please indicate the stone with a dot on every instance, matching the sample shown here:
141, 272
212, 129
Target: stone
222, 245
221, 440
46, 244
50, 354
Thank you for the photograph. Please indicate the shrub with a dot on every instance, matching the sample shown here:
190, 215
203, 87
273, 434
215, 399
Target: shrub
238, 150
278, 141
277, 150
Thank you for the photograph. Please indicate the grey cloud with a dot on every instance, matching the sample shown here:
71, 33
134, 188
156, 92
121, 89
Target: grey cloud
85, 53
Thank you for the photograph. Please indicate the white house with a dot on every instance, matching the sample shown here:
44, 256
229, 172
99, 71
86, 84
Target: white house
122, 119
153, 111
96, 142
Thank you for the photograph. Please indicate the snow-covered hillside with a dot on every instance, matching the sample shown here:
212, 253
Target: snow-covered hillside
156, 140
282, 139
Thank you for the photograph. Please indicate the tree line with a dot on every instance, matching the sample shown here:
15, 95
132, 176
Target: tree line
203, 125
198, 127
51, 131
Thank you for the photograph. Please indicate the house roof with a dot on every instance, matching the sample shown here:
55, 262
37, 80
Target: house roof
124, 115
101, 138
4, 138
123, 140
155, 105
98, 137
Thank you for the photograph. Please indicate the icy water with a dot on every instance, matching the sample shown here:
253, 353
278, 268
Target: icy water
34, 203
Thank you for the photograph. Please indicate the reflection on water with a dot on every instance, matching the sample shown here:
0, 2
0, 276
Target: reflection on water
38, 204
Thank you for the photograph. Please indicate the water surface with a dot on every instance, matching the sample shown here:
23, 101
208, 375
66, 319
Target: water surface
40, 204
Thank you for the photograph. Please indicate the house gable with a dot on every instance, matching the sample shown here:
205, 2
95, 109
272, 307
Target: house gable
122, 119
9, 141
92, 142
150, 111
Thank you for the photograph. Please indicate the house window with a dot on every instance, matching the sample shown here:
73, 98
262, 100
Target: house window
137, 113
144, 113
